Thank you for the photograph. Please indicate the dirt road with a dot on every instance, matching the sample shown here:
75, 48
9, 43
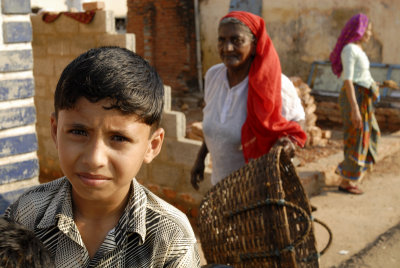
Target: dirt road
384, 252
357, 221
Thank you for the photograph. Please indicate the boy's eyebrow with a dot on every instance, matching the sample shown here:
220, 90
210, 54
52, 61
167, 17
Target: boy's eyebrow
119, 132
77, 125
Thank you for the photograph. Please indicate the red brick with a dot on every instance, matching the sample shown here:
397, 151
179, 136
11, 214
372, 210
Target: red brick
154, 188
194, 212
98, 5
170, 33
180, 207
169, 193
187, 198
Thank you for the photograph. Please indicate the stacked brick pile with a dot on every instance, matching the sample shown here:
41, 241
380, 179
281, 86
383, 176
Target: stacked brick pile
315, 135
388, 118
328, 110
194, 131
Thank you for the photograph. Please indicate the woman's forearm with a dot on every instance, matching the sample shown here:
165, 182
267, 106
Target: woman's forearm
197, 172
201, 155
355, 114
350, 93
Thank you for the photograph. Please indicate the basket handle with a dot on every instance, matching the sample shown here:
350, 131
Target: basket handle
329, 232
317, 255
276, 202
282, 202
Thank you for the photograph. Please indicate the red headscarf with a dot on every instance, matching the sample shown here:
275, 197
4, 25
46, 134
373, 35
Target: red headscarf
264, 124
352, 31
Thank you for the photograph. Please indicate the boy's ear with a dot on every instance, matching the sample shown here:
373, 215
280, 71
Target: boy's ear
53, 128
155, 145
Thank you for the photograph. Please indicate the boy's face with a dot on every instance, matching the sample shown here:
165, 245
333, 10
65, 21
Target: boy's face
101, 151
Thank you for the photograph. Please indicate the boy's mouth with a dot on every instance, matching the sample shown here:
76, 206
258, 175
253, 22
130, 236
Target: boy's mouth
92, 179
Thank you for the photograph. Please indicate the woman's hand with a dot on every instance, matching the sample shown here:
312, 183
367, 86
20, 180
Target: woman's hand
197, 172
288, 146
390, 84
356, 119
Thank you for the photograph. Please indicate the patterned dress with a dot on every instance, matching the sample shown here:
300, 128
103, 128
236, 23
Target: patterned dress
360, 145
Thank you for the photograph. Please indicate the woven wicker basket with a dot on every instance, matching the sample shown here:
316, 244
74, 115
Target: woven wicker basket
259, 216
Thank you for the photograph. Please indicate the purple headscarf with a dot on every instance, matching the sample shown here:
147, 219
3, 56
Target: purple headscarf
352, 31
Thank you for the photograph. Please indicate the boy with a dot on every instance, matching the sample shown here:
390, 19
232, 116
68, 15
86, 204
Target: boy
19, 247
108, 105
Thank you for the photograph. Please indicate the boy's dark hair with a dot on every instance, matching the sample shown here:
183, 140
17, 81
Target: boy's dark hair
20, 248
114, 73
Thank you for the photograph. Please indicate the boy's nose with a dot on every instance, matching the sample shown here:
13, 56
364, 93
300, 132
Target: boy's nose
95, 155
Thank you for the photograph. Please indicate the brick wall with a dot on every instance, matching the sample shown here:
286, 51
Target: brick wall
165, 36
54, 46
18, 142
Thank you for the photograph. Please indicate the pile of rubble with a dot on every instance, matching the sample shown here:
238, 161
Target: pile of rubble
194, 131
315, 135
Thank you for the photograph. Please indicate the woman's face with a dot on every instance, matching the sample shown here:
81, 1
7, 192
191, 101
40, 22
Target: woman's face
368, 33
235, 46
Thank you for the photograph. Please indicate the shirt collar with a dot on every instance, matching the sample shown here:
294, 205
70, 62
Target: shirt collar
60, 205
59, 212
226, 82
135, 211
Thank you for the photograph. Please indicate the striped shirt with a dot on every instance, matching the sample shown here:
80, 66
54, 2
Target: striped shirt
150, 233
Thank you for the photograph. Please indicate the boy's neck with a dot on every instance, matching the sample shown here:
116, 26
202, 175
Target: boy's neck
95, 219
99, 210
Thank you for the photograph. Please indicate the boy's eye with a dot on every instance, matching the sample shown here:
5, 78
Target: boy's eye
119, 138
78, 132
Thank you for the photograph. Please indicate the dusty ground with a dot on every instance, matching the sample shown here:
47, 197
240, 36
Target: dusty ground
357, 221
313, 153
384, 252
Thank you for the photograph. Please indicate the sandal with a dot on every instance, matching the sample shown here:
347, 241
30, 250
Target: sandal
351, 189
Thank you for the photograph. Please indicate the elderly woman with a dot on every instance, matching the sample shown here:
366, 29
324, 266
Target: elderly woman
243, 113
358, 94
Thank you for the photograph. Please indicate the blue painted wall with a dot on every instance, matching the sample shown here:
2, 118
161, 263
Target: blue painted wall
16, 32
16, 6
13, 89
18, 141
